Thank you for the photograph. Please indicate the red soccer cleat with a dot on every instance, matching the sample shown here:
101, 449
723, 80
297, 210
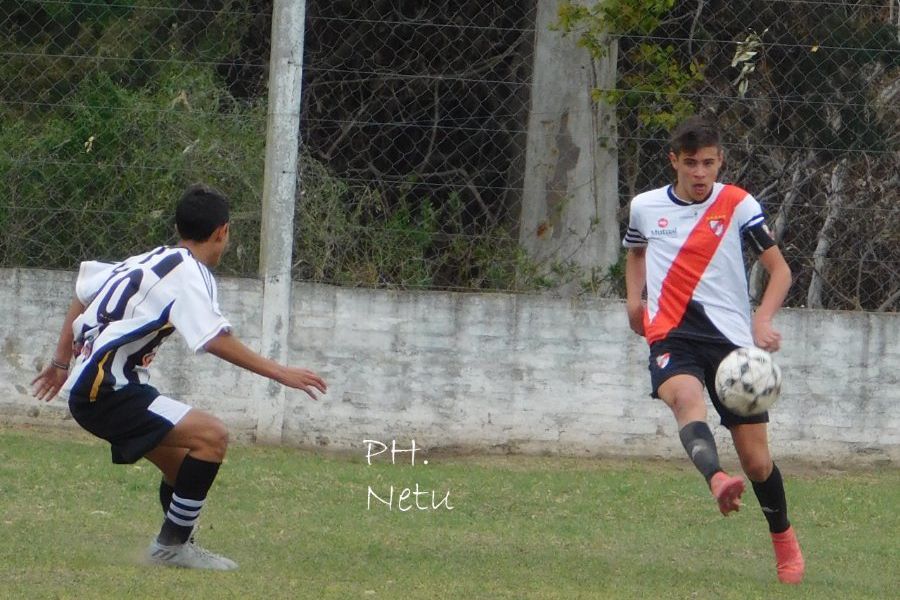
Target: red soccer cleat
788, 558
727, 491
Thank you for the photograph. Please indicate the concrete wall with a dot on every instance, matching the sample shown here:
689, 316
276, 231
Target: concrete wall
484, 372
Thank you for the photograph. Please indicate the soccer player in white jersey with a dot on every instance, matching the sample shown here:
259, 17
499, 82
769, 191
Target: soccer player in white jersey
685, 249
120, 315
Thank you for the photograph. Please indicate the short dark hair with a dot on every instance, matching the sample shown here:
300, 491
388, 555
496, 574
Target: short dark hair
200, 211
694, 133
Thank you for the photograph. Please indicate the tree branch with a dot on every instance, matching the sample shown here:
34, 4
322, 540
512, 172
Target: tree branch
820, 254
694, 26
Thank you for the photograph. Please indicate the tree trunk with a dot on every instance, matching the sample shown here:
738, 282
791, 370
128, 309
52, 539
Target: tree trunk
568, 220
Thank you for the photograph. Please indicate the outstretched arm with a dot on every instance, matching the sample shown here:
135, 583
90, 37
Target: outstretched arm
635, 280
52, 377
764, 334
229, 348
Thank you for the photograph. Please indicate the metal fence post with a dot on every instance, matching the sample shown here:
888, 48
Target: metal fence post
279, 192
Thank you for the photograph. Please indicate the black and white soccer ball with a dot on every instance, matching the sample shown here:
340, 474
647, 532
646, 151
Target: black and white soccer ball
748, 381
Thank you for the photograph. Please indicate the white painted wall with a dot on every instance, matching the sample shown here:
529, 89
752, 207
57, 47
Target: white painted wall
483, 372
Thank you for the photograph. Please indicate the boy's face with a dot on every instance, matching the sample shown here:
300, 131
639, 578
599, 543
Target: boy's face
696, 172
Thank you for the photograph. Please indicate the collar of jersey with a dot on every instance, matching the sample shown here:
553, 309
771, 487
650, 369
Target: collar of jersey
191, 254
671, 191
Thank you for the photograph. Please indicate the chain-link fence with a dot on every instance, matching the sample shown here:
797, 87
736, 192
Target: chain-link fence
416, 122
109, 109
418, 110
808, 94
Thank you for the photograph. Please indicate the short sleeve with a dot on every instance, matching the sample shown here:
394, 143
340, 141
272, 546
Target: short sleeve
92, 275
748, 213
753, 225
634, 235
195, 313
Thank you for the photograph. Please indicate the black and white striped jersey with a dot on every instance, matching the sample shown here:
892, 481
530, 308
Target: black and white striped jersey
131, 307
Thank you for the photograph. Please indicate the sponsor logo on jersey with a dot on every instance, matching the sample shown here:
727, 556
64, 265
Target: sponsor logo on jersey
664, 232
663, 222
662, 360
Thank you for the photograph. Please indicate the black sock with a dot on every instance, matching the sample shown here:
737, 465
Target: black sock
194, 479
770, 494
700, 445
165, 495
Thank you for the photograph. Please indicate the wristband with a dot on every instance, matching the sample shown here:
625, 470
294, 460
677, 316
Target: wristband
59, 365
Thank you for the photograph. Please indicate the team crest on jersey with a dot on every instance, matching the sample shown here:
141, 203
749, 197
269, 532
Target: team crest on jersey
662, 360
717, 226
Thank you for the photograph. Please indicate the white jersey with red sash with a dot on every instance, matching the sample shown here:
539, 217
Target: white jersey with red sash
696, 280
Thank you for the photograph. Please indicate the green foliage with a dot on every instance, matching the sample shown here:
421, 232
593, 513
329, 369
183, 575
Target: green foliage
657, 84
64, 14
656, 89
54, 46
119, 105
116, 107
351, 236
613, 280
611, 16
99, 176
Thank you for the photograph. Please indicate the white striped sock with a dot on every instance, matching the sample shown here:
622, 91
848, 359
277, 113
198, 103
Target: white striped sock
184, 511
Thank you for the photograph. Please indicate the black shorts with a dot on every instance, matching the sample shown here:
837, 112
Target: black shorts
133, 419
681, 356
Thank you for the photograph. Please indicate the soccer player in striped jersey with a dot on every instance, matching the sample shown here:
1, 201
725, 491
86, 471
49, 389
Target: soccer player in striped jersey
685, 249
120, 315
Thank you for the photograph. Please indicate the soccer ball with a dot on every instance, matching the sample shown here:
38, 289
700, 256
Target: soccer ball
748, 381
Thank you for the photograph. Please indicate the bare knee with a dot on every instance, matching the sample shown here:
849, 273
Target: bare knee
751, 443
685, 401
757, 468
684, 395
214, 441
687, 406
205, 436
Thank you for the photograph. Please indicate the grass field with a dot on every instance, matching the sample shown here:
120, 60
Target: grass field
74, 526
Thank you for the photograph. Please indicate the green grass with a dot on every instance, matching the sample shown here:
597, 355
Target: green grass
74, 526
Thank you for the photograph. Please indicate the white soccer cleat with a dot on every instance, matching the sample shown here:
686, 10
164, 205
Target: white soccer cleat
189, 555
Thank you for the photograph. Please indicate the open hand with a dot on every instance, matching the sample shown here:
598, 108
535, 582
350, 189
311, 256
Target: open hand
48, 383
302, 379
